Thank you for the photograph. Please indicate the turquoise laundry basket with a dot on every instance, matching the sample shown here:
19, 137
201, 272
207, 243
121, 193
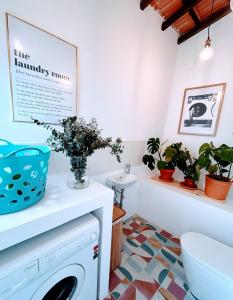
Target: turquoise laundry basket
23, 174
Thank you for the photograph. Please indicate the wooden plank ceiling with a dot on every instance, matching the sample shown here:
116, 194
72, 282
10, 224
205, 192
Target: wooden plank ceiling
188, 17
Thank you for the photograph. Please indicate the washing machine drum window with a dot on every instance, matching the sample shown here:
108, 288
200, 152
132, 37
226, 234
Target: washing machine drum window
65, 284
63, 290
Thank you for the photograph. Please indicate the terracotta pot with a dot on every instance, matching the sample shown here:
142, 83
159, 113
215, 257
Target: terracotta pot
217, 189
166, 174
189, 182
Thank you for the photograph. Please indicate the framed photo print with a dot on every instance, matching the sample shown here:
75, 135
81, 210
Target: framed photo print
201, 109
43, 73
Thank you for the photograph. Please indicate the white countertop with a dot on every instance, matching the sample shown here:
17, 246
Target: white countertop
60, 205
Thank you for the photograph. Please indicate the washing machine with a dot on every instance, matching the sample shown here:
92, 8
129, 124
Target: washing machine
60, 264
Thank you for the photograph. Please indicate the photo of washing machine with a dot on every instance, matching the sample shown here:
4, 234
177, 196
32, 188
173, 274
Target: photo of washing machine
60, 264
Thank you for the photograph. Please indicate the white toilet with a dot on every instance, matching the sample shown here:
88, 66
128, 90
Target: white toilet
208, 266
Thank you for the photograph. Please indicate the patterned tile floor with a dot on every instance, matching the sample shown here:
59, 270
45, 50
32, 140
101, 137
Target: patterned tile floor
151, 267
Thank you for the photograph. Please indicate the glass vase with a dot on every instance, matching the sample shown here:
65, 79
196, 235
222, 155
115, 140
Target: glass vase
78, 177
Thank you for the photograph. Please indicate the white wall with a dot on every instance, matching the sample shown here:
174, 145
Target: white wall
179, 211
190, 72
125, 66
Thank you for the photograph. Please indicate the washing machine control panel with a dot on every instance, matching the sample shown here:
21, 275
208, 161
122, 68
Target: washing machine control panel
18, 279
65, 251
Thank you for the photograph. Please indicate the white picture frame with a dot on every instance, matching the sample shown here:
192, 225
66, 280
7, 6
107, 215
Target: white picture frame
201, 109
43, 73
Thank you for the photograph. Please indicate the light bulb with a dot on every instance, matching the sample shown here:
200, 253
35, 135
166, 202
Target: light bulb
208, 52
231, 5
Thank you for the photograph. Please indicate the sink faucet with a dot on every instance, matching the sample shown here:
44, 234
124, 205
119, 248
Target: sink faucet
127, 168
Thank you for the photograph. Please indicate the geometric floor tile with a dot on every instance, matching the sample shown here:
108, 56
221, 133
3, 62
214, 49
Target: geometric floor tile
151, 267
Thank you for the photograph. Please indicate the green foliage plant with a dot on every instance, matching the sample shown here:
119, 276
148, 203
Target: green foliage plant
217, 161
186, 163
156, 156
79, 139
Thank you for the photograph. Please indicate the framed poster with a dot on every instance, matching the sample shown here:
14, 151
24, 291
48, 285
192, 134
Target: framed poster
201, 109
43, 73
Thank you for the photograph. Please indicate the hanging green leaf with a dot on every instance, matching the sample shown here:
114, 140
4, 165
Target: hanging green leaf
204, 148
153, 145
149, 161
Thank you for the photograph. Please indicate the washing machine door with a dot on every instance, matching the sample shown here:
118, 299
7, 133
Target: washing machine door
65, 284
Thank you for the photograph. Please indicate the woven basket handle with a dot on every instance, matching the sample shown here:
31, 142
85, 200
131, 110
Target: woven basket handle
14, 152
6, 142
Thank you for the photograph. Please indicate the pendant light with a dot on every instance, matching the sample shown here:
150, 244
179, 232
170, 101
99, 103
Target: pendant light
208, 52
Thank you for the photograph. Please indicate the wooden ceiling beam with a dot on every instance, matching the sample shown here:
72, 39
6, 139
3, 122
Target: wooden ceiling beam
194, 17
215, 17
192, 13
145, 3
179, 13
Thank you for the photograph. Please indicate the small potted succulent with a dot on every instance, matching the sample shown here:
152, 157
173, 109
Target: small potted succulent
190, 168
78, 140
217, 161
165, 160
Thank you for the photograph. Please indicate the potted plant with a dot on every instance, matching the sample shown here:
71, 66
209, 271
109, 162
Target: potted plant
190, 168
165, 160
218, 163
78, 140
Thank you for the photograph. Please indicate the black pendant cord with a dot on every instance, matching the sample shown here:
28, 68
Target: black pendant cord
212, 10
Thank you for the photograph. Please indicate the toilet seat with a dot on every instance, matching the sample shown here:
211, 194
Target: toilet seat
209, 253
